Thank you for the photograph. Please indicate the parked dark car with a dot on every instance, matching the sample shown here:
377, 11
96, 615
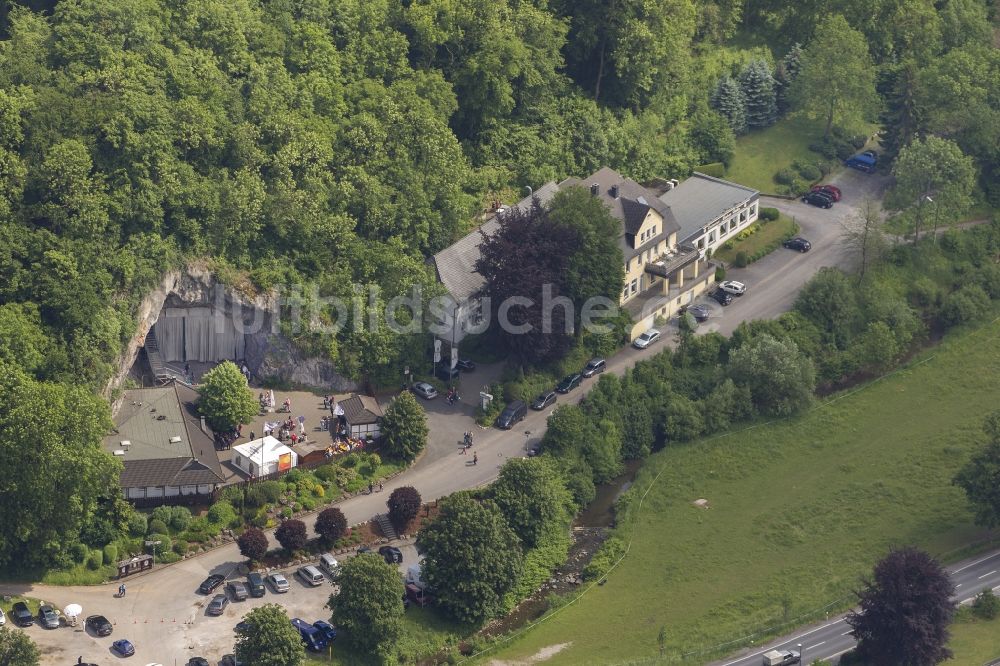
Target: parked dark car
47, 617
124, 647
512, 414
255, 584
569, 383
446, 374
819, 199
594, 366
327, 629
211, 583
699, 312
20, 614
230, 660
799, 244
466, 365
865, 161
198, 661
391, 554
99, 625
721, 297
238, 590
544, 400
831, 190
217, 606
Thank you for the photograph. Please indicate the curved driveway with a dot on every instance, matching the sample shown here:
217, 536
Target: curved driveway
165, 618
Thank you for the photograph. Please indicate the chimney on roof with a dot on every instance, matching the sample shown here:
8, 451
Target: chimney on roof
594, 189
614, 191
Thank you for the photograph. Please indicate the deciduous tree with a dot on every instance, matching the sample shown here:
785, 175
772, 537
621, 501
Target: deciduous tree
905, 609
836, 81
331, 524
863, 234
69, 478
369, 606
269, 639
532, 495
226, 400
472, 558
404, 505
253, 544
17, 649
781, 378
980, 477
404, 427
291, 534
934, 179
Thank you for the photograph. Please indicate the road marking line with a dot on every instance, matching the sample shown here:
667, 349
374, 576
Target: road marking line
847, 633
757, 654
989, 557
959, 585
987, 574
815, 646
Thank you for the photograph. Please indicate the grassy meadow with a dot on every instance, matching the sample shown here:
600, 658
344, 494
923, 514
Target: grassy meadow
799, 509
762, 153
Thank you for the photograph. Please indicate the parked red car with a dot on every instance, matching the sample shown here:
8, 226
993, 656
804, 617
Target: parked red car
832, 190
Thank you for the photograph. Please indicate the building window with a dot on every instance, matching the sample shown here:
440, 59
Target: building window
635, 285
711, 237
753, 209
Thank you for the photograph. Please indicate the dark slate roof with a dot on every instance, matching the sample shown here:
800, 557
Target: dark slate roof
630, 207
361, 409
167, 472
149, 419
456, 264
701, 199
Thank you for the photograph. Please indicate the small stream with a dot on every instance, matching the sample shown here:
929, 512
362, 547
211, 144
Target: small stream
601, 512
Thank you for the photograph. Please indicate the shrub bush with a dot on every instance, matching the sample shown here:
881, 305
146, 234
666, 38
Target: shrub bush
180, 518
350, 460
111, 553
858, 141
308, 503
180, 547
293, 476
271, 490
327, 473
740, 260
769, 214
96, 559
986, 605
157, 526
967, 304
844, 150
610, 552
168, 557
222, 514
785, 176
720, 273
286, 512
808, 171
824, 148
79, 552
138, 524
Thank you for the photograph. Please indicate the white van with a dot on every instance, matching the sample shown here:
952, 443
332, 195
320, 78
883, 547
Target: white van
329, 564
310, 575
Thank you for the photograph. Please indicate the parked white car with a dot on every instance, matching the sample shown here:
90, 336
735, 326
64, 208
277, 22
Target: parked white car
646, 339
278, 583
733, 287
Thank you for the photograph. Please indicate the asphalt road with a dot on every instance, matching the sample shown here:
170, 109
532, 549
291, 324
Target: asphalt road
164, 617
832, 638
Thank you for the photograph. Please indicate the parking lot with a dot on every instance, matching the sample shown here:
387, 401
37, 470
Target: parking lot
163, 624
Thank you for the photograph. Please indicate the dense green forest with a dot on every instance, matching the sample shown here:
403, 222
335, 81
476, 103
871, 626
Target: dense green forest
343, 141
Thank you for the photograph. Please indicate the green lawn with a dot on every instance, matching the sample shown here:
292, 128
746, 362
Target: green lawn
769, 233
975, 641
799, 510
762, 153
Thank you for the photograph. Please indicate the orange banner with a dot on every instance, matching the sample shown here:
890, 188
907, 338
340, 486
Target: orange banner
284, 462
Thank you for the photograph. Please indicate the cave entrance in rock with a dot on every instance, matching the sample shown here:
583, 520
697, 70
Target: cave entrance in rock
193, 333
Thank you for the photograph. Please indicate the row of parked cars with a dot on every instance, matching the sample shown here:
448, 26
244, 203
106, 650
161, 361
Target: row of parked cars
21, 615
516, 410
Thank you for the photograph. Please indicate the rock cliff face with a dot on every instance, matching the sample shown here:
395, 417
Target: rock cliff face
268, 354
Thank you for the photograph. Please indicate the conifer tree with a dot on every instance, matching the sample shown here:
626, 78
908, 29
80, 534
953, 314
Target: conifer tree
729, 101
757, 85
784, 73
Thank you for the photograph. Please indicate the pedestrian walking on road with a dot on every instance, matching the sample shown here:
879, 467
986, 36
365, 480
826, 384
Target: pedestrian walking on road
371, 487
121, 590
380, 486
475, 458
